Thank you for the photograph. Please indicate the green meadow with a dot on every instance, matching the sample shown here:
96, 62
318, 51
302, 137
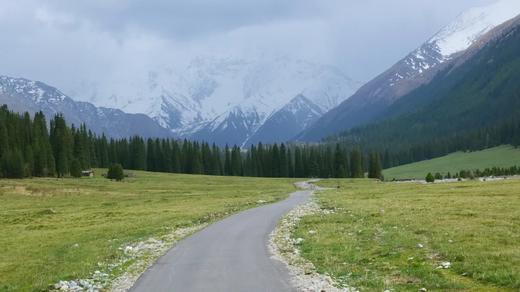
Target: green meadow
60, 229
407, 236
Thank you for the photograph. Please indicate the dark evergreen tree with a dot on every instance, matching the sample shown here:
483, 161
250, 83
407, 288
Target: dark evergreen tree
340, 163
115, 172
75, 168
356, 164
430, 178
374, 166
227, 162
62, 144
13, 164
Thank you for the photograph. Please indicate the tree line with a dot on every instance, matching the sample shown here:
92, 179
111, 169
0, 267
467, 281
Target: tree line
399, 149
29, 148
477, 173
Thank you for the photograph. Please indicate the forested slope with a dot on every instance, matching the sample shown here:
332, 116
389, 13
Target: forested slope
470, 106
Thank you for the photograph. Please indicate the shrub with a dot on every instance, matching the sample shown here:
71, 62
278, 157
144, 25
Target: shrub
115, 171
430, 178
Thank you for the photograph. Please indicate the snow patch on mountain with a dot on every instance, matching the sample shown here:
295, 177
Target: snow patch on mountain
215, 94
454, 38
472, 24
22, 95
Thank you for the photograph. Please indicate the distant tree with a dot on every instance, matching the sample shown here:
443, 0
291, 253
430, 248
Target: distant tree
374, 166
115, 171
284, 161
62, 145
236, 161
298, 163
227, 161
290, 163
356, 164
438, 176
13, 164
75, 168
340, 163
275, 161
430, 178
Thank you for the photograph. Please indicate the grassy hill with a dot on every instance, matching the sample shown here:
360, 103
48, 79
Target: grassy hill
60, 229
503, 156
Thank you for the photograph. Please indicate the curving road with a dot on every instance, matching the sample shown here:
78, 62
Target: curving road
230, 255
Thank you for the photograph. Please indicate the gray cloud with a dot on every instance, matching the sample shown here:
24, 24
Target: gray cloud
79, 43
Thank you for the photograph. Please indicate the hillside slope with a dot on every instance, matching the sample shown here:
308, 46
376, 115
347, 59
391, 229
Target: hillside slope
503, 156
470, 29
481, 94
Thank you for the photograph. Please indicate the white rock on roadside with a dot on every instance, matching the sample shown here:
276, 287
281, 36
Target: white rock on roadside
444, 265
142, 254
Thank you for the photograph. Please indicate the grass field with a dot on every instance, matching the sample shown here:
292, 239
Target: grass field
60, 229
395, 236
503, 156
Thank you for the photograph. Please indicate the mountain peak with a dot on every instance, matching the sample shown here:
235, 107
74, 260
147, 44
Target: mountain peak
211, 95
416, 69
472, 24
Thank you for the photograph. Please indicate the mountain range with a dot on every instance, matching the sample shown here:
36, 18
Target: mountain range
473, 104
263, 99
234, 101
23, 95
418, 68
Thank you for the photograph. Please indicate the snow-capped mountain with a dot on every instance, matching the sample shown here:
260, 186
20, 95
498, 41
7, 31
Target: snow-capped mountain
295, 117
458, 36
22, 95
417, 68
226, 100
473, 24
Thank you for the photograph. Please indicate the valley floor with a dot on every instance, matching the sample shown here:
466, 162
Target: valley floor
65, 229
404, 237
370, 235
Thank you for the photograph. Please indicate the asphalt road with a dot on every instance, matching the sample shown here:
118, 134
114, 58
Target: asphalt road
230, 255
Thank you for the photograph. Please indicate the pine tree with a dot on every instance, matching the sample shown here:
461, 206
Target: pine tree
236, 161
298, 163
284, 162
340, 165
227, 162
75, 168
430, 178
374, 166
290, 163
275, 161
62, 143
150, 155
115, 171
356, 164
13, 164
176, 157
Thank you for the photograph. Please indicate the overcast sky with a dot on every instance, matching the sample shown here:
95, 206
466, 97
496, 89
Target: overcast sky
64, 42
